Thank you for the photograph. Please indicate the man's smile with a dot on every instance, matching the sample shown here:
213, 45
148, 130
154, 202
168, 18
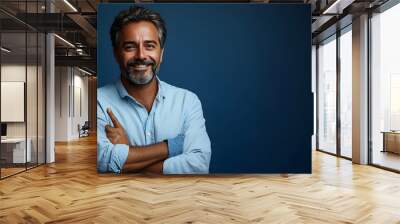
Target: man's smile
140, 67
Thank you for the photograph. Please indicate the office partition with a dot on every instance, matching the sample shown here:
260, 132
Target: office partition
22, 77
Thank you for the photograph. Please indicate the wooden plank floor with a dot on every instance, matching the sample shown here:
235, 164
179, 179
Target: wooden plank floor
70, 191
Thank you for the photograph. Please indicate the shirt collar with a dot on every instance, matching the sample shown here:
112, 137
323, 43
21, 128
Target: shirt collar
121, 89
123, 93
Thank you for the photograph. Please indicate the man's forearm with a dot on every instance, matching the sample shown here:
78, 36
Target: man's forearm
140, 166
156, 167
140, 157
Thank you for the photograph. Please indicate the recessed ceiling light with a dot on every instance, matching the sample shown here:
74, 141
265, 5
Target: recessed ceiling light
84, 71
5, 50
337, 7
64, 40
70, 5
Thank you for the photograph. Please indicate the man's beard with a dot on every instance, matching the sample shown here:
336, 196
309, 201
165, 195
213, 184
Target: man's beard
140, 78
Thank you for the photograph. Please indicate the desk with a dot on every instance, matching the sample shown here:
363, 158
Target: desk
391, 141
13, 150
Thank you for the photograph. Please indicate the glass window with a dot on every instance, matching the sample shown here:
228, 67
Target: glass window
385, 88
314, 85
327, 96
31, 97
346, 93
14, 153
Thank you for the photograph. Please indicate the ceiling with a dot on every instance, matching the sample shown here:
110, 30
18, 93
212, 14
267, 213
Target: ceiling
75, 21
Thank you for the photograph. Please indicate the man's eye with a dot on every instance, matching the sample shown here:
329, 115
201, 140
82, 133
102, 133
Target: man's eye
129, 47
150, 46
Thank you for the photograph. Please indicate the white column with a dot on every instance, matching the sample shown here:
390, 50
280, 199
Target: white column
50, 93
360, 90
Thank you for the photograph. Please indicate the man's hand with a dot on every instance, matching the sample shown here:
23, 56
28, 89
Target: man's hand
116, 134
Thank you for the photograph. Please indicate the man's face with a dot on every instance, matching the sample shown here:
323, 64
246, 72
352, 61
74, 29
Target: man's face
138, 52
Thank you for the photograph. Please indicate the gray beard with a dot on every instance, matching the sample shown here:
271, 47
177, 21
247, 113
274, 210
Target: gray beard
139, 79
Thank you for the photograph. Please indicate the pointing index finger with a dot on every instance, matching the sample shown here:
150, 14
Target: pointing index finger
113, 118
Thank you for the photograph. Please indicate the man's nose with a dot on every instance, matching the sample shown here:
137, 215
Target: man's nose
140, 54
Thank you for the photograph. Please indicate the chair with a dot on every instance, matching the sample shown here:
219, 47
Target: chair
84, 130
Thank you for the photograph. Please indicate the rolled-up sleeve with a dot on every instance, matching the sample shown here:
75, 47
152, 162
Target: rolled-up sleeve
110, 157
196, 155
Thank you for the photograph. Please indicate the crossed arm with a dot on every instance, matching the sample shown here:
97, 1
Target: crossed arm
148, 158
181, 155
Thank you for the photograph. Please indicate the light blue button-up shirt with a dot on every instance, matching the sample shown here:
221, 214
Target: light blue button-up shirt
175, 111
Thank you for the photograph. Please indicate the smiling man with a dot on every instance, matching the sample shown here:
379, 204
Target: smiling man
143, 123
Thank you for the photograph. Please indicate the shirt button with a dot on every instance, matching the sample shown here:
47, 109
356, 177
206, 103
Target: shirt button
148, 133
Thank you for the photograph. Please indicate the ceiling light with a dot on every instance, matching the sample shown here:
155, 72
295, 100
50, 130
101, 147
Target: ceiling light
70, 5
331, 7
338, 6
5, 50
64, 40
84, 71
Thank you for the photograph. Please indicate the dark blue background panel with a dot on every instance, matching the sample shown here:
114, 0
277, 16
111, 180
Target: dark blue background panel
250, 65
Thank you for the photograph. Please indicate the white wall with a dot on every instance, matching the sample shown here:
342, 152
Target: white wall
79, 117
70, 83
16, 72
61, 103
34, 125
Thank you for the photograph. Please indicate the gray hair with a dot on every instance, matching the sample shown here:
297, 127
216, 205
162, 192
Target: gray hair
137, 14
